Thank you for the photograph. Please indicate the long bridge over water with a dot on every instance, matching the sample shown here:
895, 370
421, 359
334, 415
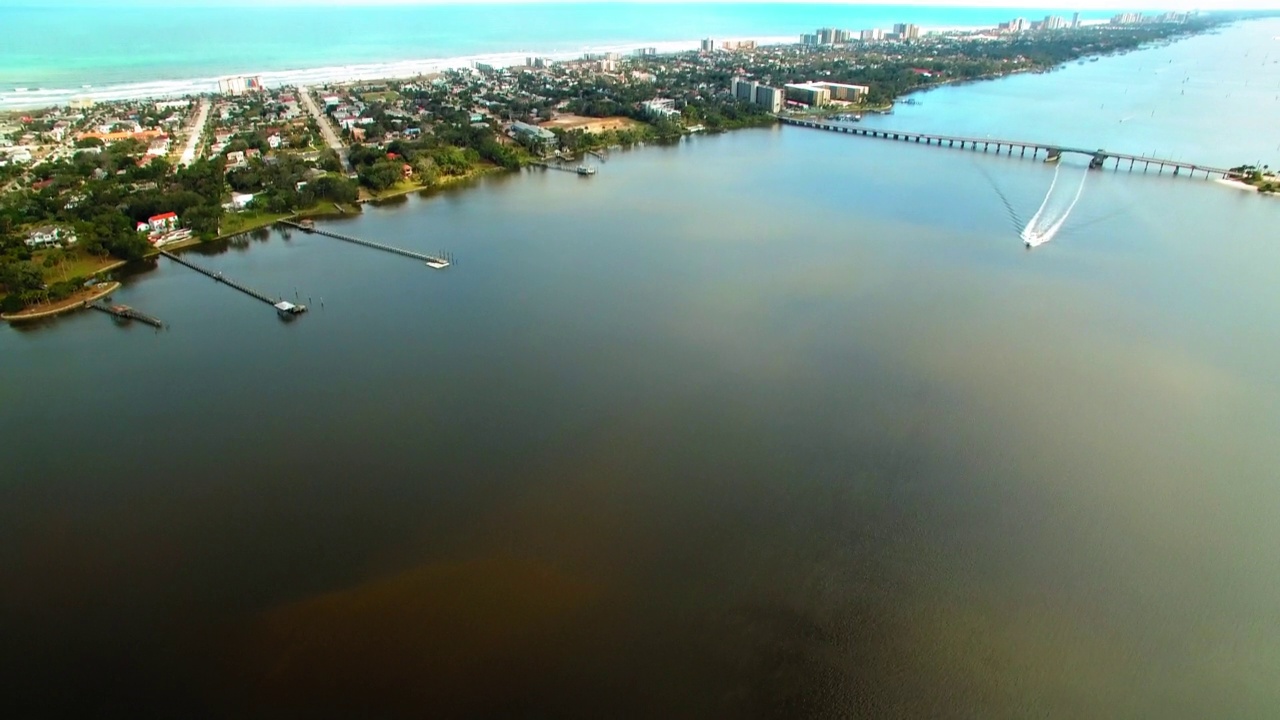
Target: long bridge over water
1051, 151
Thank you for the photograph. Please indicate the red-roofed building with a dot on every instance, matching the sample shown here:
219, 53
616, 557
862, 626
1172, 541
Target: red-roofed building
166, 221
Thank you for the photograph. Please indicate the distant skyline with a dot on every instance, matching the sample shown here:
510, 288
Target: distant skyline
1084, 5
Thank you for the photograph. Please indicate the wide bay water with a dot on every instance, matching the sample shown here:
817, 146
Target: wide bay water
778, 423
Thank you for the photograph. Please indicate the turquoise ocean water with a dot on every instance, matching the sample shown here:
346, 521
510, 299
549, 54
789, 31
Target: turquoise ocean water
51, 51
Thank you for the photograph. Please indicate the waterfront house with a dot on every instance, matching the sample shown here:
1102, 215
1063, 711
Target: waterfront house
659, 107
162, 222
240, 201
532, 133
49, 236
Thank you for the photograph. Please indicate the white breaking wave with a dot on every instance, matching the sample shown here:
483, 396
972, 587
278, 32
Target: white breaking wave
1050, 218
30, 98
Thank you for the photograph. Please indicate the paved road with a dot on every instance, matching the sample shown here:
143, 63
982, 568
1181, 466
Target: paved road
326, 128
197, 132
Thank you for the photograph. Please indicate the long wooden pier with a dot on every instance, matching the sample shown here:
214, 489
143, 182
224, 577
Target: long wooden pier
1098, 158
124, 312
584, 170
435, 261
282, 307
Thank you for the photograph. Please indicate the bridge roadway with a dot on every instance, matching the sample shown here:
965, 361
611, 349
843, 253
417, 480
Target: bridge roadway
1099, 157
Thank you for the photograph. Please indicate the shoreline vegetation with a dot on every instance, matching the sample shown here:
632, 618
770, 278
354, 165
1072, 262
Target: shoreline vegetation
1252, 177
77, 301
401, 137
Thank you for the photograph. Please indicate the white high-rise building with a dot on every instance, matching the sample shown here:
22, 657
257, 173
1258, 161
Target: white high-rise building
743, 89
770, 98
753, 92
907, 31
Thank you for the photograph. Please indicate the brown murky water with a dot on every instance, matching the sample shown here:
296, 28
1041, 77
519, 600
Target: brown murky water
775, 424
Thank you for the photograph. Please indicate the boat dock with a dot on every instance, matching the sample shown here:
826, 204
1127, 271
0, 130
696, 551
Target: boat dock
285, 309
584, 170
439, 261
125, 313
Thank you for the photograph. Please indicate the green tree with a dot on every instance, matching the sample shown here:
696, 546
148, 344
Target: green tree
381, 175
329, 160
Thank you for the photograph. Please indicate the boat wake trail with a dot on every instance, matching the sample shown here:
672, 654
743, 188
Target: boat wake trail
1053, 212
1004, 199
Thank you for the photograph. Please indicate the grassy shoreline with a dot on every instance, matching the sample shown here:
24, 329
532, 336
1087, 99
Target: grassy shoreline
403, 188
257, 221
76, 302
